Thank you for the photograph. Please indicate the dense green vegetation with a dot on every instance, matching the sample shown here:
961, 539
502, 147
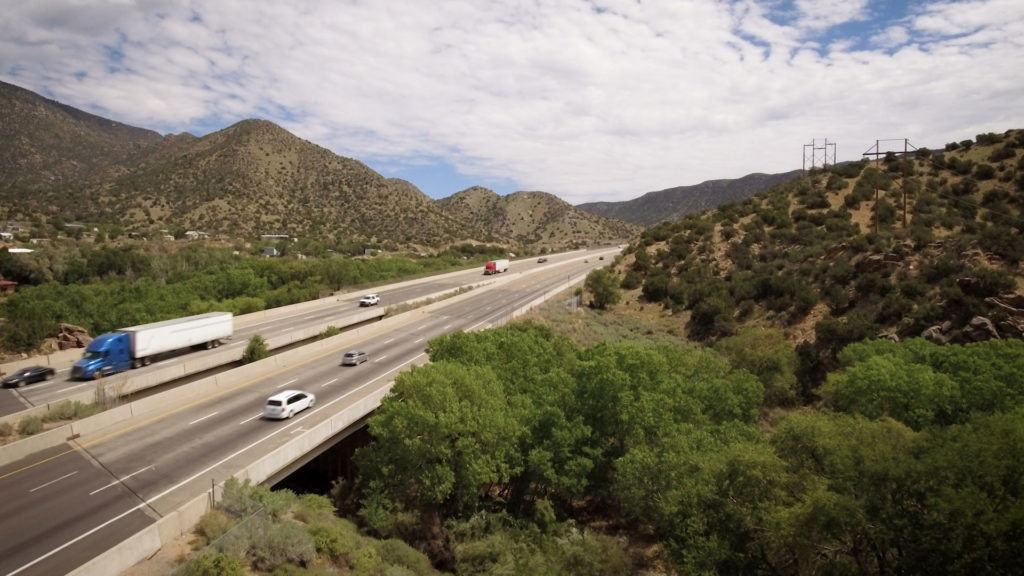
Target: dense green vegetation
109, 287
911, 466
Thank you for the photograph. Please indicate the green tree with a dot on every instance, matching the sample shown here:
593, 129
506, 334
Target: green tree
603, 286
767, 354
442, 438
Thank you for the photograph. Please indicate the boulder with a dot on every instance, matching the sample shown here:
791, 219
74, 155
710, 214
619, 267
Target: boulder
71, 336
934, 334
980, 328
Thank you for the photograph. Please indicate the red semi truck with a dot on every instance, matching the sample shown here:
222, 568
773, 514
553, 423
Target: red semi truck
495, 266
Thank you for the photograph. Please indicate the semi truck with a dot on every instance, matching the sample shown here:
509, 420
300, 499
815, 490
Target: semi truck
136, 346
495, 266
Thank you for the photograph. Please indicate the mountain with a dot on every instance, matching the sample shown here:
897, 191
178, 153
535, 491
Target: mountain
535, 219
46, 143
674, 203
248, 179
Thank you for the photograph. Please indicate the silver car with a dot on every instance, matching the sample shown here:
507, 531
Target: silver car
353, 357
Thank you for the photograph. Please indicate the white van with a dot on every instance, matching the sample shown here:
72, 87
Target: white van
287, 404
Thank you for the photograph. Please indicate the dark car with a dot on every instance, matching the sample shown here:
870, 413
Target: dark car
28, 376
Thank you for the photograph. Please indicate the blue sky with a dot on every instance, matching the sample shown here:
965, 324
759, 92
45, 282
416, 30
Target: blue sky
590, 100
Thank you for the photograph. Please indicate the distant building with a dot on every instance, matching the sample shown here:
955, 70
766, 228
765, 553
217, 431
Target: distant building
6, 236
270, 252
8, 286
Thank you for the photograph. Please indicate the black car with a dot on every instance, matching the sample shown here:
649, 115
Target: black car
28, 376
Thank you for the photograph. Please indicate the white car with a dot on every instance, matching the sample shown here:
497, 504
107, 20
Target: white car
287, 404
369, 300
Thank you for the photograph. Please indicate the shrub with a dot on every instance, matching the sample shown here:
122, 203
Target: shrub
30, 425
330, 331
1003, 153
334, 539
211, 563
394, 552
6, 429
273, 545
984, 172
255, 350
68, 410
212, 526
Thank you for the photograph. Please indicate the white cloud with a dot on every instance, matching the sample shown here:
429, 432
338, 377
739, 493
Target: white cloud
598, 100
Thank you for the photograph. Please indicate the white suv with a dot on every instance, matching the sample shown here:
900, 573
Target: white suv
287, 404
370, 300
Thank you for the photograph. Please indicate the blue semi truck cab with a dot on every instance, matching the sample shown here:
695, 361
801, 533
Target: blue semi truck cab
105, 355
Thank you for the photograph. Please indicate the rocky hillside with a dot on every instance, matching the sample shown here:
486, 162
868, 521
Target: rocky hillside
677, 202
929, 245
535, 219
249, 179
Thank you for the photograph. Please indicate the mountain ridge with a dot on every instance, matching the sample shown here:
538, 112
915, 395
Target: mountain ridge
248, 179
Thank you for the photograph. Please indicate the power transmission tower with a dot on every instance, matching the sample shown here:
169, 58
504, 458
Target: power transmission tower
819, 155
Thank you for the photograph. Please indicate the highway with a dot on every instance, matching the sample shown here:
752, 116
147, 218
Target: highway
336, 310
68, 504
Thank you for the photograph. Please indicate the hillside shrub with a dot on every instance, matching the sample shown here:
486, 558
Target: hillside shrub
1002, 153
6, 429
984, 172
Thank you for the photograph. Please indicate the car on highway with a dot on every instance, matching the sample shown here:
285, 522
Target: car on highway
287, 404
353, 357
369, 300
541, 260
28, 376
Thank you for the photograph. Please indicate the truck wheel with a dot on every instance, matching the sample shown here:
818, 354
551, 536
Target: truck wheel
136, 363
49, 376
147, 360
97, 375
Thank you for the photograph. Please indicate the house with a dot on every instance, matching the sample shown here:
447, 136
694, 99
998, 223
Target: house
270, 252
8, 286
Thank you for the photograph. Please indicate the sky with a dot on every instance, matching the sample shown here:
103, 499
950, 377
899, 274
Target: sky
589, 100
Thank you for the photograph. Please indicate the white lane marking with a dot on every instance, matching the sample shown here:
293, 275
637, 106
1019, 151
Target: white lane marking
116, 482
237, 343
418, 340
250, 419
41, 486
389, 340
379, 358
328, 383
292, 381
204, 418
199, 474
447, 327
